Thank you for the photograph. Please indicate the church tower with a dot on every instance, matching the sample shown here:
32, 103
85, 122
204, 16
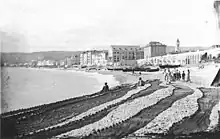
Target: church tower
177, 45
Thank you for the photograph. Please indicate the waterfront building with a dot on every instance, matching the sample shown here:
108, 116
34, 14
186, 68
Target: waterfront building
68, 61
170, 49
181, 58
125, 54
215, 46
94, 58
75, 58
62, 63
154, 49
33, 63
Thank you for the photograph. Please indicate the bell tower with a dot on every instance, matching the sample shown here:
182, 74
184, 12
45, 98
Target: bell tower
177, 45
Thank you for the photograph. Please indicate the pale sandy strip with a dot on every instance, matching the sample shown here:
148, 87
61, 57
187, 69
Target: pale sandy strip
99, 108
214, 117
180, 109
122, 113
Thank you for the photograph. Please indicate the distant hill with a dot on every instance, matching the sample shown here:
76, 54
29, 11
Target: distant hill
13, 58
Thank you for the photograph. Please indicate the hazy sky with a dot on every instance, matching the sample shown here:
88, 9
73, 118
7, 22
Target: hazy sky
67, 25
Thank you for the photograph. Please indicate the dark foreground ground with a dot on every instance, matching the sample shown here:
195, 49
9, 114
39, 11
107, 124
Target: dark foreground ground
20, 123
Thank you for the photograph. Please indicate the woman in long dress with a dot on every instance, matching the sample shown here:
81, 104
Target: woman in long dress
169, 76
165, 75
188, 76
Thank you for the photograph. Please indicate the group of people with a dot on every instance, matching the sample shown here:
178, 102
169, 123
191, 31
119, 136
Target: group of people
169, 76
106, 87
176, 75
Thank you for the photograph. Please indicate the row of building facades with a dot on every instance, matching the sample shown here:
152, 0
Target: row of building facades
130, 55
122, 55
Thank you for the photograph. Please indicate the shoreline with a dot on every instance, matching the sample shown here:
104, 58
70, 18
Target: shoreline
95, 82
127, 77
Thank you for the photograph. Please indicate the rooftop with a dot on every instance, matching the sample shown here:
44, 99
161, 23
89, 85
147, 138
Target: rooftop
155, 43
125, 46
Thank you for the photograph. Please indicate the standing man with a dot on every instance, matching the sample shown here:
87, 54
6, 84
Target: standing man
183, 76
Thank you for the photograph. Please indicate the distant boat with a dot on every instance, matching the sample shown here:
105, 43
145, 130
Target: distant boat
168, 66
133, 69
115, 68
146, 69
153, 69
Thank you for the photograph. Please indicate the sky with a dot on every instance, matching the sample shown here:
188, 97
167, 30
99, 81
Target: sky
71, 25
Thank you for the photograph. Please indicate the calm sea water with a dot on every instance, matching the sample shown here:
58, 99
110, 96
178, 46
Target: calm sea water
23, 87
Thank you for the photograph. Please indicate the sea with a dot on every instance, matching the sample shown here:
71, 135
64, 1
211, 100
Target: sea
28, 87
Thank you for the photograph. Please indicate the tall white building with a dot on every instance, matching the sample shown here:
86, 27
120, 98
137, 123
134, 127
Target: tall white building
94, 58
125, 54
154, 49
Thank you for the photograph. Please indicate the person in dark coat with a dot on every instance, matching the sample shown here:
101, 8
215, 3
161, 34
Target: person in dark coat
140, 82
183, 76
105, 87
179, 75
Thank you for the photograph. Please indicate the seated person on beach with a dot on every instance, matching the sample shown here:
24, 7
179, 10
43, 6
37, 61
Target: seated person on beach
105, 88
140, 82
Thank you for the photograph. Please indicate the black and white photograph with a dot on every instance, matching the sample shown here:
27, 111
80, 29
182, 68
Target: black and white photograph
110, 69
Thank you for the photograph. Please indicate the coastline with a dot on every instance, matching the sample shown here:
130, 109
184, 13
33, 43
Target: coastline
52, 86
129, 78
